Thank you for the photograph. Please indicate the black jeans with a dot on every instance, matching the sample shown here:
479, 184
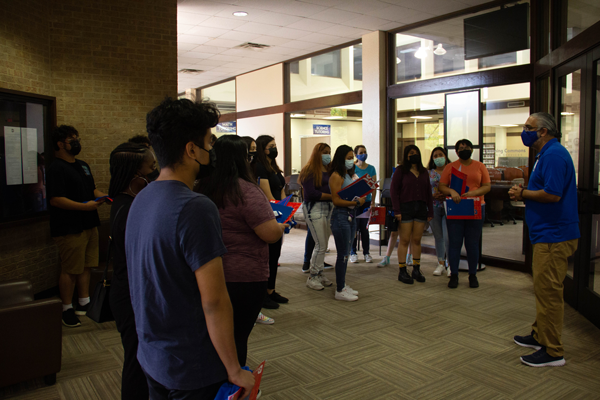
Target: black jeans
159, 392
133, 380
274, 253
362, 228
246, 299
309, 246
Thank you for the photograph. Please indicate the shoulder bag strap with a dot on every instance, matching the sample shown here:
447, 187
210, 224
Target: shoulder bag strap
110, 239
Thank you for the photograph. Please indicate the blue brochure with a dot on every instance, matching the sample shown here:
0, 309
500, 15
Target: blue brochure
284, 212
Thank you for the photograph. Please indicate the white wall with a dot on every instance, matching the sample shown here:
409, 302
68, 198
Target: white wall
259, 89
319, 86
271, 125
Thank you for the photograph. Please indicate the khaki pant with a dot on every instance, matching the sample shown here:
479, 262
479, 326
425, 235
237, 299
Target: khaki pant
78, 251
550, 263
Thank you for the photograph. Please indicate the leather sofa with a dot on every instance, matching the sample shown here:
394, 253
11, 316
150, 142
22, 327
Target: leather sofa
30, 334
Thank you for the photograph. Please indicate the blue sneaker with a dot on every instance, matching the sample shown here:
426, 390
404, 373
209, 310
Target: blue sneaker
527, 341
542, 359
409, 260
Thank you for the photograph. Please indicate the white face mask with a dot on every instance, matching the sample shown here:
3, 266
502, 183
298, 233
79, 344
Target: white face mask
349, 164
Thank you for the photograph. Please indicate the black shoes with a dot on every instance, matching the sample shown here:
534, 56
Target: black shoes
453, 283
268, 303
82, 310
276, 297
542, 359
70, 319
527, 341
473, 282
416, 274
306, 267
404, 277
327, 266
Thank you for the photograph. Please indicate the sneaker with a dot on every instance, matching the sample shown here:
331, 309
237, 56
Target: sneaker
439, 270
368, 258
384, 263
278, 298
306, 267
353, 258
473, 282
453, 282
542, 359
82, 310
324, 280
314, 283
70, 319
352, 291
263, 319
409, 260
345, 295
327, 266
269, 304
527, 341
448, 272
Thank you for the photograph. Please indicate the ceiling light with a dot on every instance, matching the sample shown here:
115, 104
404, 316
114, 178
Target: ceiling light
509, 125
333, 117
398, 60
567, 113
420, 117
298, 115
401, 120
439, 50
240, 13
422, 52
360, 119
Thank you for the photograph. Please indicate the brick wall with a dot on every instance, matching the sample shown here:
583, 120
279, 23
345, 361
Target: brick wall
108, 63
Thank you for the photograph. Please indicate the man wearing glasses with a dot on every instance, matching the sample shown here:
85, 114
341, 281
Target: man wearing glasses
553, 221
74, 220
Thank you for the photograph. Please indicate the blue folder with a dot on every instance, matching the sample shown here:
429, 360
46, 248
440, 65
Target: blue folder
284, 211
357, 189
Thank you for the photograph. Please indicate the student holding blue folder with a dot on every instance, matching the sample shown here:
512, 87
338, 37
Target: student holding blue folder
469, 230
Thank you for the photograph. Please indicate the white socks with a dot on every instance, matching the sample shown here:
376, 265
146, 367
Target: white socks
83, 301
67, 306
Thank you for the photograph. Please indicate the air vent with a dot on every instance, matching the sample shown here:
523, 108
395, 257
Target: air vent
253, 46
515, 104
191, 71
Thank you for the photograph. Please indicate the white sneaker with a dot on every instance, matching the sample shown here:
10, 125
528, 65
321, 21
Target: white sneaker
439, 270
263, 319
448, 270
313, 282
368, 258
353, 258
345, 295
384, 263
348, 288
324, 280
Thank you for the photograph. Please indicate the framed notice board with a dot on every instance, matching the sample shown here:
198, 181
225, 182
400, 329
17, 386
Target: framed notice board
25, 150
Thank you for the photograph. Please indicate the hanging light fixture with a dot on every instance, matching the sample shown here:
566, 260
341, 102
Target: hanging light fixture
439, 50
422, 52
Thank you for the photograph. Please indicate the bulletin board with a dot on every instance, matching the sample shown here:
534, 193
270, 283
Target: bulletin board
25, 151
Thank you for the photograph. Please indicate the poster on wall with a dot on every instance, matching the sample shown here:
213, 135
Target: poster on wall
29, 155
12, 151
227, 127
321, 129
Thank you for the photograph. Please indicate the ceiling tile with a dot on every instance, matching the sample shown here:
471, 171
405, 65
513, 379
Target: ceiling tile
298, 44
190, 18
205, 31
289, 33
345, 31
200, 7
210, 62
223, 57
254, 27
325, 3
241, 36
210, 49
283, 50
317, 38
311, 25
186, 46
223, 43
193, 54
360, 6
183, 28
335, 16
277, 19
394, 13
222, 23
317, 47
367, 22
271, 40
192, 39
298, 8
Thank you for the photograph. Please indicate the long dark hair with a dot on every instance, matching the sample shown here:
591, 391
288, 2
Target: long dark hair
431, 164
406, 164
232, 165
338, 164
261, 144
125, 161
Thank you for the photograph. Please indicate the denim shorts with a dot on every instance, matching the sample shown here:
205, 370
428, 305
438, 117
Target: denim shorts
414, 211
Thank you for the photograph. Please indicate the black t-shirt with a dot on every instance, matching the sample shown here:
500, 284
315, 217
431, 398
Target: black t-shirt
118, 221
75, 182
276, 180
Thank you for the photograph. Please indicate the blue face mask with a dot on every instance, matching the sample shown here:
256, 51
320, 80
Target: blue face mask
440, 161
362, 157
326, 159
349, 164
529, 137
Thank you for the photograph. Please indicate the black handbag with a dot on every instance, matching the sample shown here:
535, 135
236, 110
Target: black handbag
99, 310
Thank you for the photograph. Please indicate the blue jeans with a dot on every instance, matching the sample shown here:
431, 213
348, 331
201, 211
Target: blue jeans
468, 230
440, 232
343, 233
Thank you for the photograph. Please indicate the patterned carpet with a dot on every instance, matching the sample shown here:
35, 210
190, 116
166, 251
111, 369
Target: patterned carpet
422, 341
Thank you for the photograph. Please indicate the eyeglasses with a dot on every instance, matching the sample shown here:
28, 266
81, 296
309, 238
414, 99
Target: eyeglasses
529, 128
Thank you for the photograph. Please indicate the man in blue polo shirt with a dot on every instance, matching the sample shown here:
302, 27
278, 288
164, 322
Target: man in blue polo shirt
553, 221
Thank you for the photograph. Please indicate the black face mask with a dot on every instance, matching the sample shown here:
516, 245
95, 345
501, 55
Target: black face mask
272, 153
465, 154
415, 159
75, 148
152, 176
207, 170
251, 155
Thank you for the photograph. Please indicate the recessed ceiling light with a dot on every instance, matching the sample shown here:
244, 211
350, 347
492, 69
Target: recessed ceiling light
333, 117
567, 113
298, 115
420, 117
509, 125
240, 13
401, 120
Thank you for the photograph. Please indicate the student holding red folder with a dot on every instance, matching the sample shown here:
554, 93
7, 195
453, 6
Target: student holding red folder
469, 230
